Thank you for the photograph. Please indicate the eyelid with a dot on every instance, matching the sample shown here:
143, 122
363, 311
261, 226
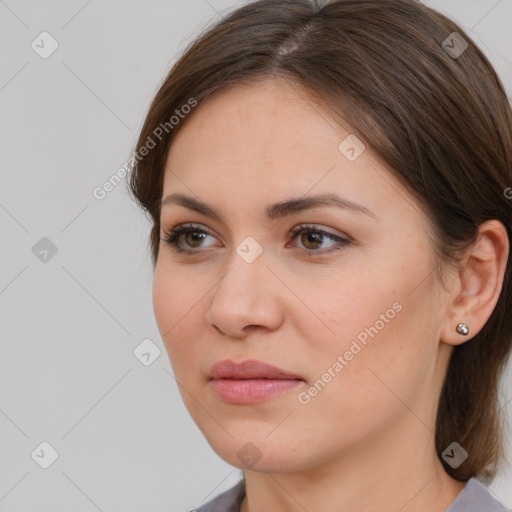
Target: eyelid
319, 228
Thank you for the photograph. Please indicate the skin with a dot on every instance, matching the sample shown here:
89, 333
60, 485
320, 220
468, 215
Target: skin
367, 439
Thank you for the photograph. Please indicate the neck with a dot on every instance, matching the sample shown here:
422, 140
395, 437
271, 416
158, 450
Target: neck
393, 473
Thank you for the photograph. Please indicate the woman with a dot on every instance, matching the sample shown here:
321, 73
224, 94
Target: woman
328, 184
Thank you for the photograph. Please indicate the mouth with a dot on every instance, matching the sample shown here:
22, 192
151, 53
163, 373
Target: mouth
250, 381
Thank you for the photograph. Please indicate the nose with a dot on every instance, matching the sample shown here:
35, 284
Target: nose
247, 297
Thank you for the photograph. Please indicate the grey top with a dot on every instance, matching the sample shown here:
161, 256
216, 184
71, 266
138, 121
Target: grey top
474, 497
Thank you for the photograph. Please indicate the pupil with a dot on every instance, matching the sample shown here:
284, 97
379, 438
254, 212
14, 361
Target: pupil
314, 238
195, 236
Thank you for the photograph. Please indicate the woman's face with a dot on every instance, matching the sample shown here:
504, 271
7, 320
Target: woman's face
358, 321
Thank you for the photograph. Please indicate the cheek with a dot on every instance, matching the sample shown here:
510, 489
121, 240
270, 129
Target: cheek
355, 389
347, 307
176, 296
176, 306
376, 326
165, 303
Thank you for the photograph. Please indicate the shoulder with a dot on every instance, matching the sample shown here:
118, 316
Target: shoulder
228, 501
476, 497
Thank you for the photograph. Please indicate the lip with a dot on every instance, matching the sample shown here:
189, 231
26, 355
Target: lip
249, 369
250, 381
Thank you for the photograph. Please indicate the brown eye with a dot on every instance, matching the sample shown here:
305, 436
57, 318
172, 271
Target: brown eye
194, 238
190, 236
311, 240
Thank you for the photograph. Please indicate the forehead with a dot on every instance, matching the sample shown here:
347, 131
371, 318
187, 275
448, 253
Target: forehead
270, 140
263, 121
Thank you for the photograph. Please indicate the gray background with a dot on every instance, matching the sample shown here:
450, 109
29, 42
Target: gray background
69, 326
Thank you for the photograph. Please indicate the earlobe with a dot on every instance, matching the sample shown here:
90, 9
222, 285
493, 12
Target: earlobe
478, 286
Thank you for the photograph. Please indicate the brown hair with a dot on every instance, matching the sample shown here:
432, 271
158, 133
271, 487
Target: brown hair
441, 122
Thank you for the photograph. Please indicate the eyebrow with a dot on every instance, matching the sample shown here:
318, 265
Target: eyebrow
276, 210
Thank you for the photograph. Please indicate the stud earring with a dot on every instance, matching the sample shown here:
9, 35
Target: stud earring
462, 328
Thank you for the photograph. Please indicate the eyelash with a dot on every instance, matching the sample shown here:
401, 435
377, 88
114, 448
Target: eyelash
171, 238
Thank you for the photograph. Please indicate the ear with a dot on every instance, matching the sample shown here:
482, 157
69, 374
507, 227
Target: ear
477, 288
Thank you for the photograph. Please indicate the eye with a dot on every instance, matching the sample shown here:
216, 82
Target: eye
193, 236
312, 239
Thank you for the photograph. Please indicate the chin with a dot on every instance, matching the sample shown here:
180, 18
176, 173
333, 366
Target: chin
256, 453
